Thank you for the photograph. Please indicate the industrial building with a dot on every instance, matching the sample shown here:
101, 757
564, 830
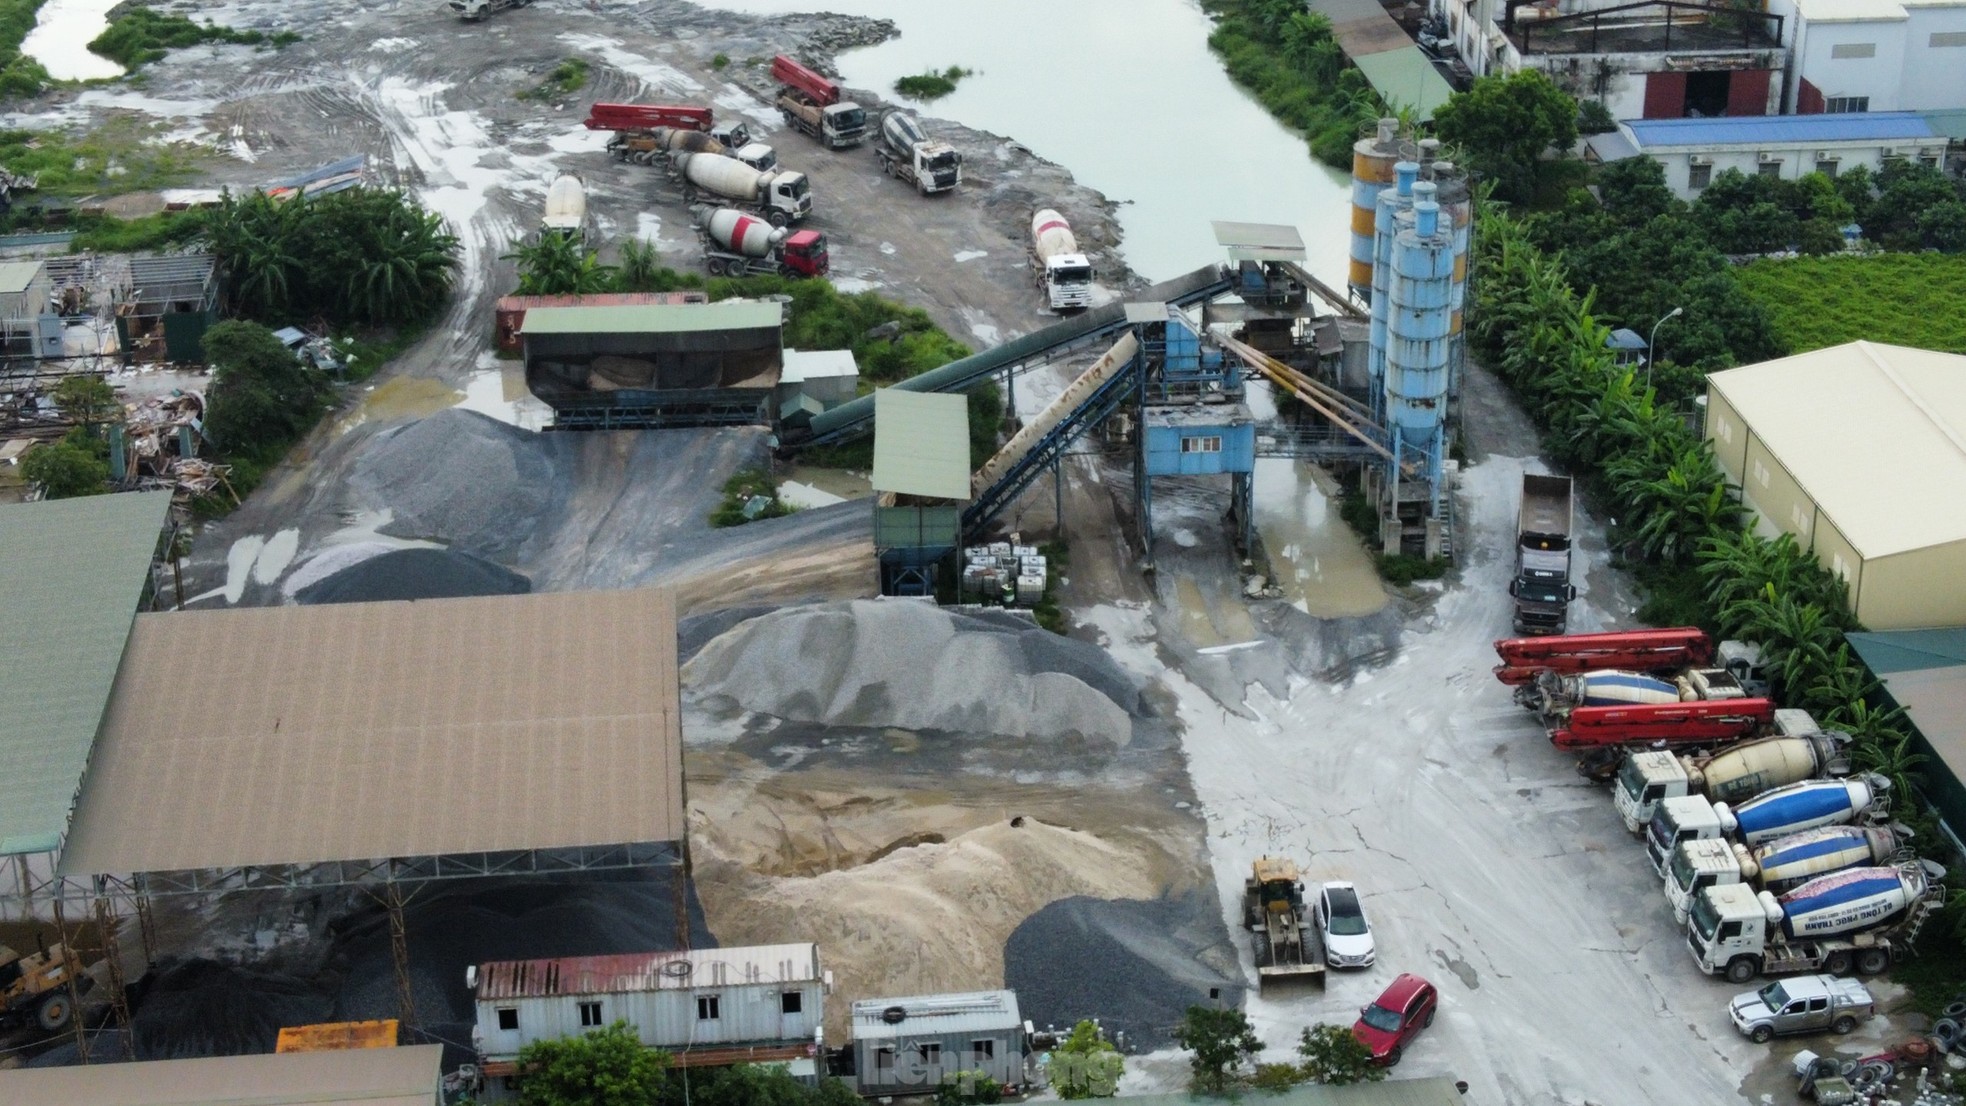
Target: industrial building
28, 325
1858, 450
509, 314
921, 482
706, 1007
907, 1046
1695, 151
406, 1076
655, 365
814, 380
164, 305
1924, 672
1874, 55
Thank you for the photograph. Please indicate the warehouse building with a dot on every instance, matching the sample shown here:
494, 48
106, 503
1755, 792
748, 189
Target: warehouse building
905, 1046
356, 1077
1859, 451
1694, 152
648, 366
707, 1007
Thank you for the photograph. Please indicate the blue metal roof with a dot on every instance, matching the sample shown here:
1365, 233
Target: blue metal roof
1773, 129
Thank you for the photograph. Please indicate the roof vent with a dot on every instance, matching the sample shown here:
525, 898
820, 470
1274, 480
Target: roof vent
895, 1015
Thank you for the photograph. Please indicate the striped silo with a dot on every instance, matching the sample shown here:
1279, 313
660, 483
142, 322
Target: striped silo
1373, 159
1418, 323
1389, 204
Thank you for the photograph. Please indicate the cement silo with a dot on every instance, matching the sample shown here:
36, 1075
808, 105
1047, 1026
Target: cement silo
1418, 320
1373, 159
1389, 203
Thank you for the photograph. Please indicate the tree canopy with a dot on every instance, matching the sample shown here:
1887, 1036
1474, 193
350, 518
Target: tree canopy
607, 1067
363, 257
1221, 1040
1334, 1054
262, 398
1504, 125
1086, 1065
73, 465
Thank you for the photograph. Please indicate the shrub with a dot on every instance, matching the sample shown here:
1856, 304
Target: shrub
74, 465
142, 36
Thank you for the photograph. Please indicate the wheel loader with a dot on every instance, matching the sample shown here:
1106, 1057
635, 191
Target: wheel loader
34, 988
1287, 946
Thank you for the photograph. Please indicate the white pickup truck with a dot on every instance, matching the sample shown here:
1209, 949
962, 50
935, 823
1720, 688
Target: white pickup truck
1805, 1004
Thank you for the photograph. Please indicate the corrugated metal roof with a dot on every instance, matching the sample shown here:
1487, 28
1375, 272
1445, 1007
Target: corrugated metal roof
680, 970
1434, 1091
71, 574
1888, 652
330, 1036
1877, 126
1951, 123
654, 318
15, 276
1924, 671
802, 365
1875, 434
361, 1077
1611, 146
1406, 78
921, 444
967, 1012
1259, 241
367, 730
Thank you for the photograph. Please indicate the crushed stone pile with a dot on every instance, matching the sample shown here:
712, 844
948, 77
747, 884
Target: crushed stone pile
414, 574
1135, 965
204, 1008
461, 478
928, 918
914, 666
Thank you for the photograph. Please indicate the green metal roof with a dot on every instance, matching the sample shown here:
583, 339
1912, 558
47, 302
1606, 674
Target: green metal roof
1896, 651
1950, 122
1405, 78
653, 318
71, 574
921, 444
15, 276
1436, 1091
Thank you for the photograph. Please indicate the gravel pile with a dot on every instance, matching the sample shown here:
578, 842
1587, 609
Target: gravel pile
913, 666
461, 478
1134, 965
415, 574
204, 1008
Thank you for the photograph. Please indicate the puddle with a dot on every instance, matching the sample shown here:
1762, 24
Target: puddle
501, 393
405, 397
1320, 564
826, 486
60, 40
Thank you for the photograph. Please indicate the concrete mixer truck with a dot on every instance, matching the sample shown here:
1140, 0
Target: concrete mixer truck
781, 197
1863, 918
906, 152
566, 207
1779, 865
736, 244
1771, 814
813, 105
1799, 750
1062, 271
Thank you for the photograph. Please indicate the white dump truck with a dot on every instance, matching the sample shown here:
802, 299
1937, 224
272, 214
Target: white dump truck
1860, 919
1779, 865
1062, 271
907, 153
778, 197
1799, 750
1771, 814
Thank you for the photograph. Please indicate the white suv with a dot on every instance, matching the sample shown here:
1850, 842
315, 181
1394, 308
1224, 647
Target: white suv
1341, 923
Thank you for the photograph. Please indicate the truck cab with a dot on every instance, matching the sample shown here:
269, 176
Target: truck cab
1645, 780
844, 124
1696, 864
1807, 1004
1728, 930
805, 253
938, 167
1743, 662
791, 193
757, 155
1068, 279
733, 136
1688, 818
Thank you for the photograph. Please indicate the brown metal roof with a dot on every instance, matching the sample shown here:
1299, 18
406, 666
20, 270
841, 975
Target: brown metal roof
363, 1077
330, 1036
295, 735
648, 971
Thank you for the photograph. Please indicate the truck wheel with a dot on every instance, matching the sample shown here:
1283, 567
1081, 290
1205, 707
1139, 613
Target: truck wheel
1762, 1034
1837, 963
1844, 1024
715, 267
778, 218
1741, 969
55, 1012
1873, 962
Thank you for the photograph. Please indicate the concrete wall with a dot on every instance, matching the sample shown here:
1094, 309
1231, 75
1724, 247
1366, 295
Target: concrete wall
1910, 70
1878, 74
1915, 589
1935, 59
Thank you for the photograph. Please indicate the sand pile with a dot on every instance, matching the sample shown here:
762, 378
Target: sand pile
934, 917
913, 666
461, 478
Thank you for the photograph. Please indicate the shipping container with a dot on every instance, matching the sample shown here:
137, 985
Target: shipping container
905, 1046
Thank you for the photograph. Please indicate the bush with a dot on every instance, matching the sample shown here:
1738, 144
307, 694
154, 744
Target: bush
1333, 1054
365, 257
567, 78
1401, 569
1085, 1064
929, 85
262, 399
20, 75
744, 486
76, 464
142, 36
1221, 1040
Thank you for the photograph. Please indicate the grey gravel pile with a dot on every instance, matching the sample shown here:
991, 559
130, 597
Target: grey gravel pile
415, 574
912, 666
461, 478
204, 1008
1132, 965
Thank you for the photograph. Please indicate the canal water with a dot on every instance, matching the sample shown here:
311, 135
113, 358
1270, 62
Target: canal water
62, 32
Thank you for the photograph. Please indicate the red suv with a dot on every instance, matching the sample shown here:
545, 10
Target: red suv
1395, 1017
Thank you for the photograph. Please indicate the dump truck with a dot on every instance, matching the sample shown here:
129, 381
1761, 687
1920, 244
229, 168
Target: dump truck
1799, 750
1778, 812
779, 197
35, 987
813, 105
1286, 944
736, 244
473, 10
1860, 919
1523, 659
1062, 271
1542, 587
906, 153
1779, 865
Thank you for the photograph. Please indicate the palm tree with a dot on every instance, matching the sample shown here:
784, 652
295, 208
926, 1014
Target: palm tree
1843, 683
1795, 638
640, 262
557, 265
1890, 754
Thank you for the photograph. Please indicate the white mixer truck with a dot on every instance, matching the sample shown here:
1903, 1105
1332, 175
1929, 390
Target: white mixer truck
780, 197
736, 244
1862, 919
907, 153
1062, 271
566, 207
1777, 866
1776, 813
1799, 751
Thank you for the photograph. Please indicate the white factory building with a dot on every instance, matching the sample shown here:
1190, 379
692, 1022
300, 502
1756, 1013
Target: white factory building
1695, 151
1873, 55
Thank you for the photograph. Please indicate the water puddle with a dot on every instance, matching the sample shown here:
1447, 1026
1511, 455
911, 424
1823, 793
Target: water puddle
1320, 563
60, 40
804, 486
402, 398
501, 393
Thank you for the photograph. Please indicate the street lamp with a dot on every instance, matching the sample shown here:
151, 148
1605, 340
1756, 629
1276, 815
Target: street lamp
1651, 343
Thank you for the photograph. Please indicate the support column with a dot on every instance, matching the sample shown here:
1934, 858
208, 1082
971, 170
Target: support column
112, 957
399, 952
67, 941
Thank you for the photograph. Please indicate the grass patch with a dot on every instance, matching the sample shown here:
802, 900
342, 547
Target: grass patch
929, 85
567, 78
116, 156
366, 354
1049, 614
20, 75
720, 62
743, 488
1316, 92
143, 36
1401, 569
1907, 299
162, 231
1359, 514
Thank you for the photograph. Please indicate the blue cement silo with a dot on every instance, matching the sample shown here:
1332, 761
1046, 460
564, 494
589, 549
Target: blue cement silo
1418, 325
1392, 201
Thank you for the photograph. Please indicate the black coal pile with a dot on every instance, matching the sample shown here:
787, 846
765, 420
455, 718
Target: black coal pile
1135, 965
193, 1007
415, 574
